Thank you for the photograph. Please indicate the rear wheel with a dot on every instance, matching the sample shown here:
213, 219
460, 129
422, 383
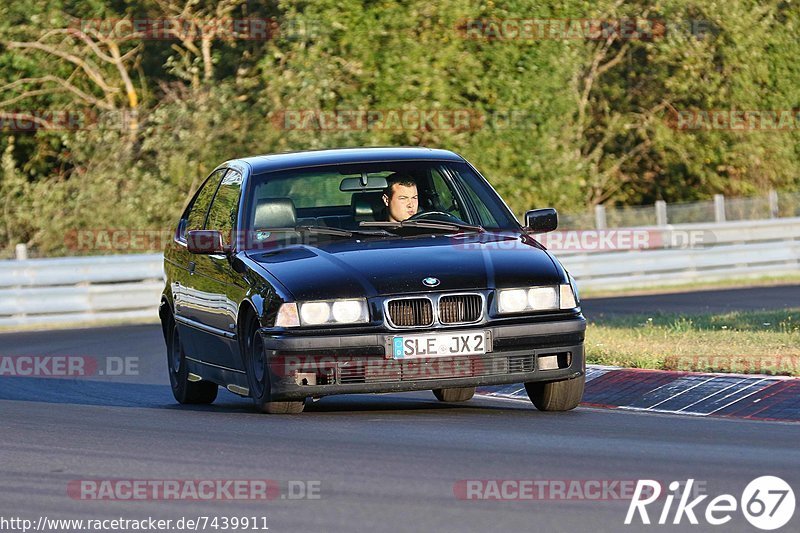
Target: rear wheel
556, 395
259, 378
454, 395
185, 391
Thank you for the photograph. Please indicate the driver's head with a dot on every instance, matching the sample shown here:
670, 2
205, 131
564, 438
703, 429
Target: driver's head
400, 197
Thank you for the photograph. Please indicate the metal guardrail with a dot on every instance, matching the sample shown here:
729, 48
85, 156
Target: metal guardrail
674, 236
80, 289
684, 253
672, 267
88, 289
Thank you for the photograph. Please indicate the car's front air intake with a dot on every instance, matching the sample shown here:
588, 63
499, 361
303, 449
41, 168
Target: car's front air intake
445, 309
411, 312
460, 308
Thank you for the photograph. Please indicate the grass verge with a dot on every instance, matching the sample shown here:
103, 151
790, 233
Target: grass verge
752, 342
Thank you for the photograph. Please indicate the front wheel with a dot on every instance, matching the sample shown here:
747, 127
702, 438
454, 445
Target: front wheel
259, 378
556, 395
454, 395
185, 391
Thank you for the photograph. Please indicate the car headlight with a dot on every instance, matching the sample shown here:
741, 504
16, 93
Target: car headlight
542, 298
323, 312
314, 313
532, 299
512, 300
348, 311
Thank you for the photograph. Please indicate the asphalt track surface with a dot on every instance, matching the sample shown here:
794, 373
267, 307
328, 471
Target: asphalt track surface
383, 462
698, 301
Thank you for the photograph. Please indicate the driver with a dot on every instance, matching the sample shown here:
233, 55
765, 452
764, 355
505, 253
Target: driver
400, 197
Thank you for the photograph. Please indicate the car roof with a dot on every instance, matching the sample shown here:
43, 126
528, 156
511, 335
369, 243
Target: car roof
310, 158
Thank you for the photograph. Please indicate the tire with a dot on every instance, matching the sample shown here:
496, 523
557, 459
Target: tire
185, 391
556, 395
454, 395
258, 376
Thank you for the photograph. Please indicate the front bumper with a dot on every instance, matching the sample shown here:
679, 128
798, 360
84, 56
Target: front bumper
302, 366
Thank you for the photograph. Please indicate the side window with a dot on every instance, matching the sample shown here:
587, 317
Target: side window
222, 215
443, 197
477, 198
307, 189
197, 213
487, 220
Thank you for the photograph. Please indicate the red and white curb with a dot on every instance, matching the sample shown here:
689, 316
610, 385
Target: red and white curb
755, 397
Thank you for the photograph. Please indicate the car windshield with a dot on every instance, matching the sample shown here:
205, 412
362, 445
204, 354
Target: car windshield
387, 198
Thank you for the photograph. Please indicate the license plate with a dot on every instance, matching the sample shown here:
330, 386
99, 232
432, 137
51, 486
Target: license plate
441, 345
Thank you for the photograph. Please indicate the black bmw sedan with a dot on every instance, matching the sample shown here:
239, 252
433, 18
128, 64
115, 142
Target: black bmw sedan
301, 275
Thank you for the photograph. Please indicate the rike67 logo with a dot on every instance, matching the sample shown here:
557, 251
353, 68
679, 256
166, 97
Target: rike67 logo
767, 503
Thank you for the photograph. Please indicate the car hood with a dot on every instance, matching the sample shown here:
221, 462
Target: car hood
371, 267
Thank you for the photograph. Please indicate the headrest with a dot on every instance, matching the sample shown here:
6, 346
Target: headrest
367, 206
275, 213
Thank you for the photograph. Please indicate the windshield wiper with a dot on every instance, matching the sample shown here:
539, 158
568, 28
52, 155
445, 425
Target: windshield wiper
323, 230
326, 230
424, 224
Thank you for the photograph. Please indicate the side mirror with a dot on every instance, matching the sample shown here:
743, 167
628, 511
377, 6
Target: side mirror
205, 242
541, 220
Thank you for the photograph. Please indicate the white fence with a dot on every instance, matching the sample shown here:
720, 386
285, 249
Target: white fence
87, 289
